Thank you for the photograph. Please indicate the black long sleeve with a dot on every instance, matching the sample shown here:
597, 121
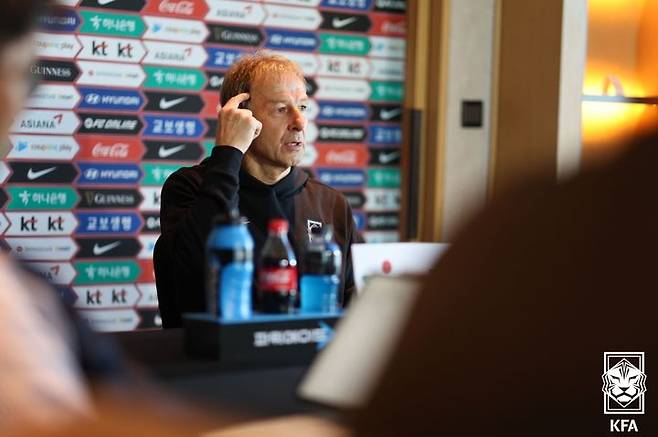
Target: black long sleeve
189, 205
352, 237
193, 196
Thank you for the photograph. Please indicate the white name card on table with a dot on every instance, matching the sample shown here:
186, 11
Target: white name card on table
393, 259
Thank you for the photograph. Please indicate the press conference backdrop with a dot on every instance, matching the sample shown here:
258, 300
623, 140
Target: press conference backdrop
128, 94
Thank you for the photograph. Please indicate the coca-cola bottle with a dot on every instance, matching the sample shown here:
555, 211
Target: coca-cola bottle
277, 272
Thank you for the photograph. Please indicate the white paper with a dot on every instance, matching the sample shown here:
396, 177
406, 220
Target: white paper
403, 259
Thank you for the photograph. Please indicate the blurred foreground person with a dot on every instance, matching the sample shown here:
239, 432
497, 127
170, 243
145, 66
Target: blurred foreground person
509, 334
56, 376
48, 357
41, 382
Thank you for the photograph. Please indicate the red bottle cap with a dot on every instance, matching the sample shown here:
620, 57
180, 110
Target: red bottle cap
280, 226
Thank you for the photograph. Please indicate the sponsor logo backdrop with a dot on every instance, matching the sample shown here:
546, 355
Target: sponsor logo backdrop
128, 94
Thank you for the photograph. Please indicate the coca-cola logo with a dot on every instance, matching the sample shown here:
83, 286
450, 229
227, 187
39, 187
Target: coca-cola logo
351, 155
277, 279
344, 157
176, 7
398, 28
118, 150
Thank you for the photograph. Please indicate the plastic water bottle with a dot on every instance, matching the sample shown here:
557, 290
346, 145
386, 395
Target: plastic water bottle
230, 268
322, 267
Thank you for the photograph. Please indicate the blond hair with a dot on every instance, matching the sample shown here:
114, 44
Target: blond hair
244, 71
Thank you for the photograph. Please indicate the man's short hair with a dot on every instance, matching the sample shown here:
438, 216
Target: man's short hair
244, 71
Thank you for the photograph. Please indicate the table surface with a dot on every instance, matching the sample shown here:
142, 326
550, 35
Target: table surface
257, 393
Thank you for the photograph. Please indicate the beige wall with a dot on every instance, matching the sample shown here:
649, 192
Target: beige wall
572, 73
524, 59
469, 76
647, 48
623, 44
541, 59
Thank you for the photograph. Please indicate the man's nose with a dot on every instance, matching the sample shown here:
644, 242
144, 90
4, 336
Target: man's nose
298, 120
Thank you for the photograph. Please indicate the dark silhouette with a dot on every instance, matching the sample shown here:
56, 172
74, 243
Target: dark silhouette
509, 333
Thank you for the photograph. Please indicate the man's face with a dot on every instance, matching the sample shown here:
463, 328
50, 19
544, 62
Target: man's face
278, 101
15, 60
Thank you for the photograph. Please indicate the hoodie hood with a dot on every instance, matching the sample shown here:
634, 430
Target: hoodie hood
292, 184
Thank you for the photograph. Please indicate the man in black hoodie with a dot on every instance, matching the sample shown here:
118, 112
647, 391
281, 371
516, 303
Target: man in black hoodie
260, 140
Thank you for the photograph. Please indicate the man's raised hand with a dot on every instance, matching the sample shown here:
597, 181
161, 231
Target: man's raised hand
237, 127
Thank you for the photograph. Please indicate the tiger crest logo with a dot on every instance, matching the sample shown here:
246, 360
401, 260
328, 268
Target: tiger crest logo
624, 383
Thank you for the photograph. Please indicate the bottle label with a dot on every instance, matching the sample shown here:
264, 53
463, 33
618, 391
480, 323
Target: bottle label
277, 279
235, 291
319, 293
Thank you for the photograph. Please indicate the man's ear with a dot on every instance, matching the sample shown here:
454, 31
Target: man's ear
244, 105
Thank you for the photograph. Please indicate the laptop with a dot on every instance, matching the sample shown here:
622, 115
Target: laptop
393, 259
346, 372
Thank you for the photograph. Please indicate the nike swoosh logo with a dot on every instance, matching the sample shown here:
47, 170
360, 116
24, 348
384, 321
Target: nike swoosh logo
105, 2
386, 158
342, 22
163, 152
166, 104
100, 250
388, 114
32, 175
